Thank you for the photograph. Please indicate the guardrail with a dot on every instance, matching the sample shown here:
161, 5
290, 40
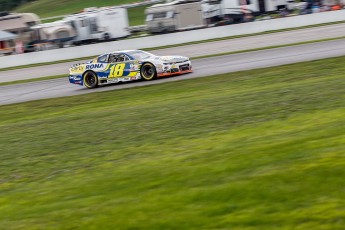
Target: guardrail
171, 39
140, 28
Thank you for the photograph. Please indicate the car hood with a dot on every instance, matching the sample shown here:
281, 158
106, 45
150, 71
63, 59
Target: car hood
173, 58
168, 59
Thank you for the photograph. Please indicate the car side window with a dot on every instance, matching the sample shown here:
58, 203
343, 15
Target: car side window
125, 57
114, 58
102, 59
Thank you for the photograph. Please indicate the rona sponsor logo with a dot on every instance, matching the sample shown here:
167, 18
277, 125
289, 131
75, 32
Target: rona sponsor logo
94, 66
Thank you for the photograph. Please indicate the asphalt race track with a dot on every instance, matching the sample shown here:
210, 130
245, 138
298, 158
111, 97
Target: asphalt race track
202, 67
199, 49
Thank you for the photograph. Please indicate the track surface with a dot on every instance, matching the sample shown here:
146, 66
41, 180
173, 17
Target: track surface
202, 67
244, 43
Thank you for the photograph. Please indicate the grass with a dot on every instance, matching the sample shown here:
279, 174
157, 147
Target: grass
51, 8
269, 47
136, 15
260, 149
33, 80
254, 34
51, 19
43, 8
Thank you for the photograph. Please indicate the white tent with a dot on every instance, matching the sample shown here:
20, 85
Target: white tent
5, 36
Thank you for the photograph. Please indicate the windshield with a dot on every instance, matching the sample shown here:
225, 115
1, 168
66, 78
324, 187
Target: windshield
149, 17
139, 55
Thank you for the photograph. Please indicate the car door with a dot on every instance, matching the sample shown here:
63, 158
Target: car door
121, 67
116, 66
130, 70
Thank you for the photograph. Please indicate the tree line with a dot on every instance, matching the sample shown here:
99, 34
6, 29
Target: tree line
8, 5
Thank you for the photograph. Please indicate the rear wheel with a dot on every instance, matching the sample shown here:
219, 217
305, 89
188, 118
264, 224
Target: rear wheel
106, 37
90, 80
148, 72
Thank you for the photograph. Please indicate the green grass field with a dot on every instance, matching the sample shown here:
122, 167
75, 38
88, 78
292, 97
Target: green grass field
50, 8
136, 15
260, 149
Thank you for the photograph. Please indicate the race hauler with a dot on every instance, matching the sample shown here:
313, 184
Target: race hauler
99, 24
238, 10
174, 16
19, 24
52, 35
212, 12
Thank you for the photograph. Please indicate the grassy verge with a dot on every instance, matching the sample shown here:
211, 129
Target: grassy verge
51, 20
188, 43
269, 47
250, 35
261, 149
51, 8
136, 15
46, 63
32, 80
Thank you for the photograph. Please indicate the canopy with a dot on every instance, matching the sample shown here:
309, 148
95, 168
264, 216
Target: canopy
4, 36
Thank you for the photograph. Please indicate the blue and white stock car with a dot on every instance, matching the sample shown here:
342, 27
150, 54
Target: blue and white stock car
128, 65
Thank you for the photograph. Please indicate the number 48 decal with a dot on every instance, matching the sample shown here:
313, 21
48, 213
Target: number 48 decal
117, 70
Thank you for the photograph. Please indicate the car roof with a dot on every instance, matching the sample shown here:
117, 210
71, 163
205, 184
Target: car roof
122, 51
119, 52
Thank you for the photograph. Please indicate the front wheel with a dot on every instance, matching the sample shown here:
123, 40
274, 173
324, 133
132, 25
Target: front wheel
90, 80
148, 71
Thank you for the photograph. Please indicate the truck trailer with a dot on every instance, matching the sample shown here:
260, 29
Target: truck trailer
235, 10
99, 24
52, 35
174, 16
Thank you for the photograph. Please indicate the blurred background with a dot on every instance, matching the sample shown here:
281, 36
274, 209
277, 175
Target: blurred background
30, 26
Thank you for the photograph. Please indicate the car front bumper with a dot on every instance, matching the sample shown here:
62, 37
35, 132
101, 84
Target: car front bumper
175, 69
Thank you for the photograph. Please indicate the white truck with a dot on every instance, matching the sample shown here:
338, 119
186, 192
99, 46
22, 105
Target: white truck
257, 6
52, 35
99, 24
212, 11
235, 10
174, 16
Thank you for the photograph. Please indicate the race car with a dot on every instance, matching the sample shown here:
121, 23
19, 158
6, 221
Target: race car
127, 65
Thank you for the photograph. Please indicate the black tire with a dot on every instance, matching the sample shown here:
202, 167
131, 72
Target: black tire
148, 72
106, 37
90, 80
60, 44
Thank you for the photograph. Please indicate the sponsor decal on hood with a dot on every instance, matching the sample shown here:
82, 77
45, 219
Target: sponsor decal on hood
173, 58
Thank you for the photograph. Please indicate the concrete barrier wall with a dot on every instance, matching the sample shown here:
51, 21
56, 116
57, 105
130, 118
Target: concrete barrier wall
170, 39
